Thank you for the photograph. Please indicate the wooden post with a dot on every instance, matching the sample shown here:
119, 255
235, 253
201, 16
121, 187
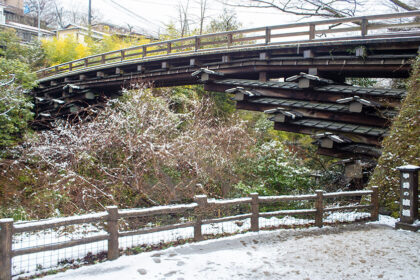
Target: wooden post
267, 35
264, 56
103, 59
195, 62
144, 53
262, 77
364, 27
70, 66
6, 235
122, 55
319, 205
255, 212
197, 43
169, 48
409, 211
230, 39
308, 54
199, 213
225, 58
311, 31
113, 251
86, 62
374, 214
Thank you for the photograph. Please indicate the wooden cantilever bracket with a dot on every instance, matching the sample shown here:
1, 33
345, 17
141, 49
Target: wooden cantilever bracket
205, 74
309, 81
356, 103
282, 115
241, 94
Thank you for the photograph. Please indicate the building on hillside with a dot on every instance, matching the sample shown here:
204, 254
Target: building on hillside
18, 4
122, 32
80, 33
26, 27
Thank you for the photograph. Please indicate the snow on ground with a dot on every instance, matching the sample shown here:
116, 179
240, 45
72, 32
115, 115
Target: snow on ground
369, 251
31, 264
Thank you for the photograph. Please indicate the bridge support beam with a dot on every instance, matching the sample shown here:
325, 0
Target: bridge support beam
166, 65
226, 58
141, 68
100, 74
308, 54
263, 77
264, 56
361, 52
119, 71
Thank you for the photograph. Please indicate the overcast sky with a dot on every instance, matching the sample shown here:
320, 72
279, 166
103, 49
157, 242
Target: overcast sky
152, 15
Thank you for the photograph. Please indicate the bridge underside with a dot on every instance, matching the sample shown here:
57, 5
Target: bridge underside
346, 121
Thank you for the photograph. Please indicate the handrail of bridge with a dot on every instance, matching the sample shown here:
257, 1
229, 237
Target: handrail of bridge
228, 39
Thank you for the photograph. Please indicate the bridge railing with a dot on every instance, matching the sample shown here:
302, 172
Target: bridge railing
30, 247
248, 37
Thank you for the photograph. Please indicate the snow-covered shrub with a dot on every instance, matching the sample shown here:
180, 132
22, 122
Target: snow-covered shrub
137, 152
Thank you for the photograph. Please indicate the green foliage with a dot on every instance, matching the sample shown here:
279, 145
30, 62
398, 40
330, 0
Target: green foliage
15, 112
362, 82
275, 170
401, 147
15, 106
22, 72
32, 55
9, 42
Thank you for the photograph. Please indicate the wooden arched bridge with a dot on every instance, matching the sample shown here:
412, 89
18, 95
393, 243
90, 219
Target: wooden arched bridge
294, 72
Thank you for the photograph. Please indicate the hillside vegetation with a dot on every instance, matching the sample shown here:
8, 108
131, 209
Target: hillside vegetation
401, 147
142, 150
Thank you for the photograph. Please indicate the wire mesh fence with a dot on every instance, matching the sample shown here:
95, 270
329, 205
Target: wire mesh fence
72, 256
37, 247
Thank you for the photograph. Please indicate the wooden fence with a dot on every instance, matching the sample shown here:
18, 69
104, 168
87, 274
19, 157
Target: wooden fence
200, 207
245, 37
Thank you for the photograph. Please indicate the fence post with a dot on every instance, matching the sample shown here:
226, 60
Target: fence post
199, 213
169, 48
374, 214
409, 211
319, 205
113, 250
6, 235
255, 212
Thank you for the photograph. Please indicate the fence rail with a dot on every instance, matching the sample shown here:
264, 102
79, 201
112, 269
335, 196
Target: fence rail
201, 207
238, 38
